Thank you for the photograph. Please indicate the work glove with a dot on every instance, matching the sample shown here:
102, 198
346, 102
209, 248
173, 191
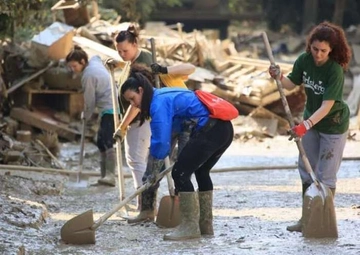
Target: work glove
120, 133
156, 69
275, 72
113, 64
300, 130
153, 169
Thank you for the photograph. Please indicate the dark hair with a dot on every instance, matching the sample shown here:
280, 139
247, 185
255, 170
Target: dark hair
77, 54
335, 36
144, 70
131, 35
134, 82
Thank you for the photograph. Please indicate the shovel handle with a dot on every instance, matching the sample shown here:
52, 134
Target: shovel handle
115, 104
82, 146
288, 112
153, 54
145, 186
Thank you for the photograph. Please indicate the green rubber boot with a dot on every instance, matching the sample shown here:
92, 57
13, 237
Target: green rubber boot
190, 215
110, 164
148, 207
297, 227
206, 215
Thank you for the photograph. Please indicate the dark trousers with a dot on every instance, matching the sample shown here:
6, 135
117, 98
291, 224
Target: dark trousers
200, 154
106, 131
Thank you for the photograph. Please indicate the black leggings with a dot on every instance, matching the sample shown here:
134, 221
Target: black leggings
106, 131
200, 154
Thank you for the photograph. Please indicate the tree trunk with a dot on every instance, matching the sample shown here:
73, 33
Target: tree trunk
339, 12
310, 14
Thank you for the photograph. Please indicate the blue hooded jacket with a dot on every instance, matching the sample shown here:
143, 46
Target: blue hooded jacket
169, 108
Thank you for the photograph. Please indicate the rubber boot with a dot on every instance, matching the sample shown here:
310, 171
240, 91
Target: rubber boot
206, 216
297, 227
110, 163
190, 215
103, 164
148, 205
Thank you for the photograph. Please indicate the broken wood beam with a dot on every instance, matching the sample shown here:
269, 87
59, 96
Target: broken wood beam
25, 80
42, 121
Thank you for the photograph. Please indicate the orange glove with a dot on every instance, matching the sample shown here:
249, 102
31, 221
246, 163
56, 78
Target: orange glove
301, 129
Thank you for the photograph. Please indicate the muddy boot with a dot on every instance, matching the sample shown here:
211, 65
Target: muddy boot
103, 164
206, 216
110, 163
190, 215
148, 205
297, 227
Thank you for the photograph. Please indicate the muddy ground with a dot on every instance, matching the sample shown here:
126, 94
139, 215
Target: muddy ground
251, 208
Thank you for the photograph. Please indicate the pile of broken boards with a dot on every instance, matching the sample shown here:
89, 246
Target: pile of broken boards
49, 99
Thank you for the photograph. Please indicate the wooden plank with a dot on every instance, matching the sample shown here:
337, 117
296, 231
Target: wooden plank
94, 48
29, 78
231, 70
44, 122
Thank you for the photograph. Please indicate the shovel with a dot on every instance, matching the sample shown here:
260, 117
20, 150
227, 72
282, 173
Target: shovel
81, 228
120, 172
319, 219
168, 215
80, 181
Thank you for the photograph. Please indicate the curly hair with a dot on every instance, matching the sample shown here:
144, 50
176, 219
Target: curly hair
335, 36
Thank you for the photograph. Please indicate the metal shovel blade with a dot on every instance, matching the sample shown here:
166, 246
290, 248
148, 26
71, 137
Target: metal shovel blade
319, 219
78, 230
169, 212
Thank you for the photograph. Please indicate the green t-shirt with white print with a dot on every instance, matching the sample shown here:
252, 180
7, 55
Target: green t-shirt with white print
321, 83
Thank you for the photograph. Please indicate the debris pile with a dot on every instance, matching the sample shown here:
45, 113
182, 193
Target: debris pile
40, 94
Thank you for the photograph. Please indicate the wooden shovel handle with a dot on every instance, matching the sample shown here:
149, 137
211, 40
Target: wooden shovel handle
288, 112
145, 186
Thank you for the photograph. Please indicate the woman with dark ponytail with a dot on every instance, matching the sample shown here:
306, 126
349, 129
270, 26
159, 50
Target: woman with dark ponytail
137, 137
168, 109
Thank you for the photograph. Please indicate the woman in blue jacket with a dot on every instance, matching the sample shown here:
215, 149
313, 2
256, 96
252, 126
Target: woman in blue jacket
168, 109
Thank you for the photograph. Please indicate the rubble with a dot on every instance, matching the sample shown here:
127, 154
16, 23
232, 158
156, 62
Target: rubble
42, 94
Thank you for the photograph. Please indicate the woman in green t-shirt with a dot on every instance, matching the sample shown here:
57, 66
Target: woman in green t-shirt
326, 116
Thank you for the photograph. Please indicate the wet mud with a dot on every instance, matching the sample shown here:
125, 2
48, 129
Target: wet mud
251, 209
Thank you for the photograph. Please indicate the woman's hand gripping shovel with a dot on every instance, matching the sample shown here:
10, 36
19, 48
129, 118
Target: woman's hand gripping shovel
318, 212
81, 228
168, 215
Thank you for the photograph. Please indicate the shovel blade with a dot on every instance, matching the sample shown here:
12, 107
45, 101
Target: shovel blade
78, 229
319, 218
169, 212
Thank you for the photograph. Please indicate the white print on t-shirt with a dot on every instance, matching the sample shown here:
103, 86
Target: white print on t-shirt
318, 89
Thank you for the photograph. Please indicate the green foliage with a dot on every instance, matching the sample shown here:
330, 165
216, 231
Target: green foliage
16, 14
